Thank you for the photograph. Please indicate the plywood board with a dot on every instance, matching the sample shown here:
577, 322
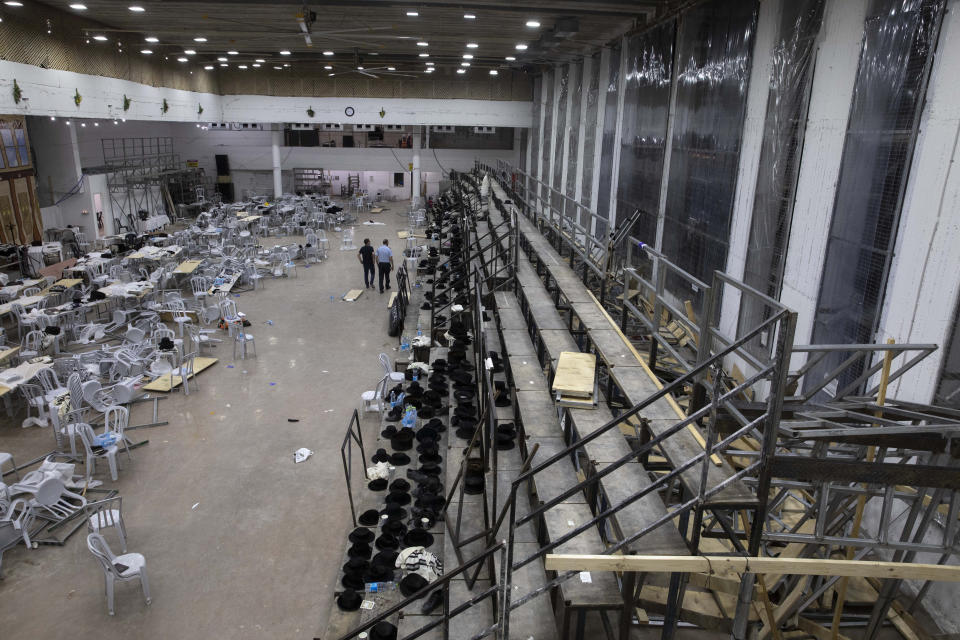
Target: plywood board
352, 295
393, 296
377, 210
575, 374
188, 266
168, 382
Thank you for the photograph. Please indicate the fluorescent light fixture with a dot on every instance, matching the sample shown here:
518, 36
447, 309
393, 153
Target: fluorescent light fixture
242, 66
209, 67
467, 56
115, 122
469, 16
146, 52
224, 64
136, 8
284, 53
278, 67
510, 58
221, 59
182, 59
328, 53
232, 52
199, 39
286, 64
428, 70
494, 72
331, 74
464, 64
53, 117
260, 60
13, 3
100, 38
472, 45
391, 68
521, 47
83, 124
359, 68
68, 122
78, 7
424, 55
256, 65
430, 64
328, 67
461, 71
412, 14
374, 53
152, 39
96, 124
533, 24
423, 44
190, 52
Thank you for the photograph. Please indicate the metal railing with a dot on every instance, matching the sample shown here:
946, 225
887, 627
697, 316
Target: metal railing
353, 435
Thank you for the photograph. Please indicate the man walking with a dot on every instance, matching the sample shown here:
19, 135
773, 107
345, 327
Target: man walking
365, 256
384, 263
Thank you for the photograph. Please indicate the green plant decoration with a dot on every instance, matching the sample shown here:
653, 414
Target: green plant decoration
310, 111
126, 102
17, 92
383, 112
77, 98
164, 107
199, 109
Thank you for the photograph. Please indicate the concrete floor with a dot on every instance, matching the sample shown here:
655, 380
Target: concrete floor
259, 555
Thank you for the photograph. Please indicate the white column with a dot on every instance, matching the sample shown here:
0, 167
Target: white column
827, 118
568, 109
516, 147
277, 171
415, 198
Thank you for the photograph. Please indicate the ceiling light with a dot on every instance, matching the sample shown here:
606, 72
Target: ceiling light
224, 64
331, 74
182, 59
464, 64
469, 16
79, 7
286, 64
391, 68
461, 71
533, 24
424, 55
510, 58
373, 53
199, 39
423, 44
359, 68
328, 53
136, 8
232, 53
146, 52
278, 67
472, 45
242, 66
115, 122
209, 67
521, 47
494, 72
256, 65
190, 52
83, 124
429, 64
284, 53
53, 117
328, 67
12, 3
467, 56
260, 60
100, 38
428, 70
412, 14
96, 124
152, 39
221, 59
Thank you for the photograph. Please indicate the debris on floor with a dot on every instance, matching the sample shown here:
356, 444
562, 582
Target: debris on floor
301, 454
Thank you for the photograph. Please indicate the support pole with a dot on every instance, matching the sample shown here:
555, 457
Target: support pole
416, 188
277, 173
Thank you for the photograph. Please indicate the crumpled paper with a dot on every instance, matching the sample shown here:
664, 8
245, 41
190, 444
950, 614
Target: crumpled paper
301, 454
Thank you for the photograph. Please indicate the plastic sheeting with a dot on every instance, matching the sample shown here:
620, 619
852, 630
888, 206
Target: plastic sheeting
534, 138
547, 140
948, 387
609, 139
559, 137
590, 132
783, 133
573, 139
899, 39
646, 107
714, 51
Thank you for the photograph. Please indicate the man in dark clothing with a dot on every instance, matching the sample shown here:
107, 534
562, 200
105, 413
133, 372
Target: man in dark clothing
365, 256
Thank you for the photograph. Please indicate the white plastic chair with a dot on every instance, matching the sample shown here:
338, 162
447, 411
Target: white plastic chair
115, 420
126, 567
375, 400
240, 341
85, 431
395, 376
187, 373
106, 514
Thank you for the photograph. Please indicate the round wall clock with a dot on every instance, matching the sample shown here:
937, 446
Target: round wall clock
349, 111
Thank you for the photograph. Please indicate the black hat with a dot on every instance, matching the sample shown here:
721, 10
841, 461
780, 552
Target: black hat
465, 395
411, 583
427, 446
394, 511
394, 528
383, 631
405, 434
361, 534
465, 432
433, 457
426, 306
388, 432
426, 411
378, 572
507, 428
386, 557
473, 485
398, 497
465, 411
352, 581
439, 386
349, 600
399, 485
394, 415
503, 400
414, 389
505, 442
387, 541
435, 423
369, 518
399, 459
356, 565
165, 344
430, 469
377, 485
418, 538
360, 550
426, 433
380, 456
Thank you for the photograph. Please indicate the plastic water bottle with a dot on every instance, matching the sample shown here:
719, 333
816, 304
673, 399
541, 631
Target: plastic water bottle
419, 329
404, 343
393, 399
331, 298
416, 374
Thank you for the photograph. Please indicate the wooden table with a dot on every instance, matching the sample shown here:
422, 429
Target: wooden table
7, 353
188, 266
66, 283
15, 289
230, 281
20, 374
123, 289
28, 301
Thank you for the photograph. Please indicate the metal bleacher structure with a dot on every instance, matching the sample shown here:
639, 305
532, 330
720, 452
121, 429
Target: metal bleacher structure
701, 444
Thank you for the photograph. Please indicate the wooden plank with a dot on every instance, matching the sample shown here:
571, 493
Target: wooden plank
576, 374
188, 266
168, 382
726, 565
393, 296
352, 295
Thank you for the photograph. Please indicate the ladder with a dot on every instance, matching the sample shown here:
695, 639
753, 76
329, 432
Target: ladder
354, 183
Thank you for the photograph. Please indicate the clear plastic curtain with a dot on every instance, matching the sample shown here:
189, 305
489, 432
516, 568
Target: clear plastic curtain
783, 131
590, 132
646, 106
898, 44
559, 137
608, 141
714, 49
573, 139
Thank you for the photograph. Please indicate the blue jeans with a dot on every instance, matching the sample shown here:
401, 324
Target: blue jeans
369, 274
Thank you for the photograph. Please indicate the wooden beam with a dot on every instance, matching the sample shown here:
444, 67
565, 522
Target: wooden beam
727, 565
